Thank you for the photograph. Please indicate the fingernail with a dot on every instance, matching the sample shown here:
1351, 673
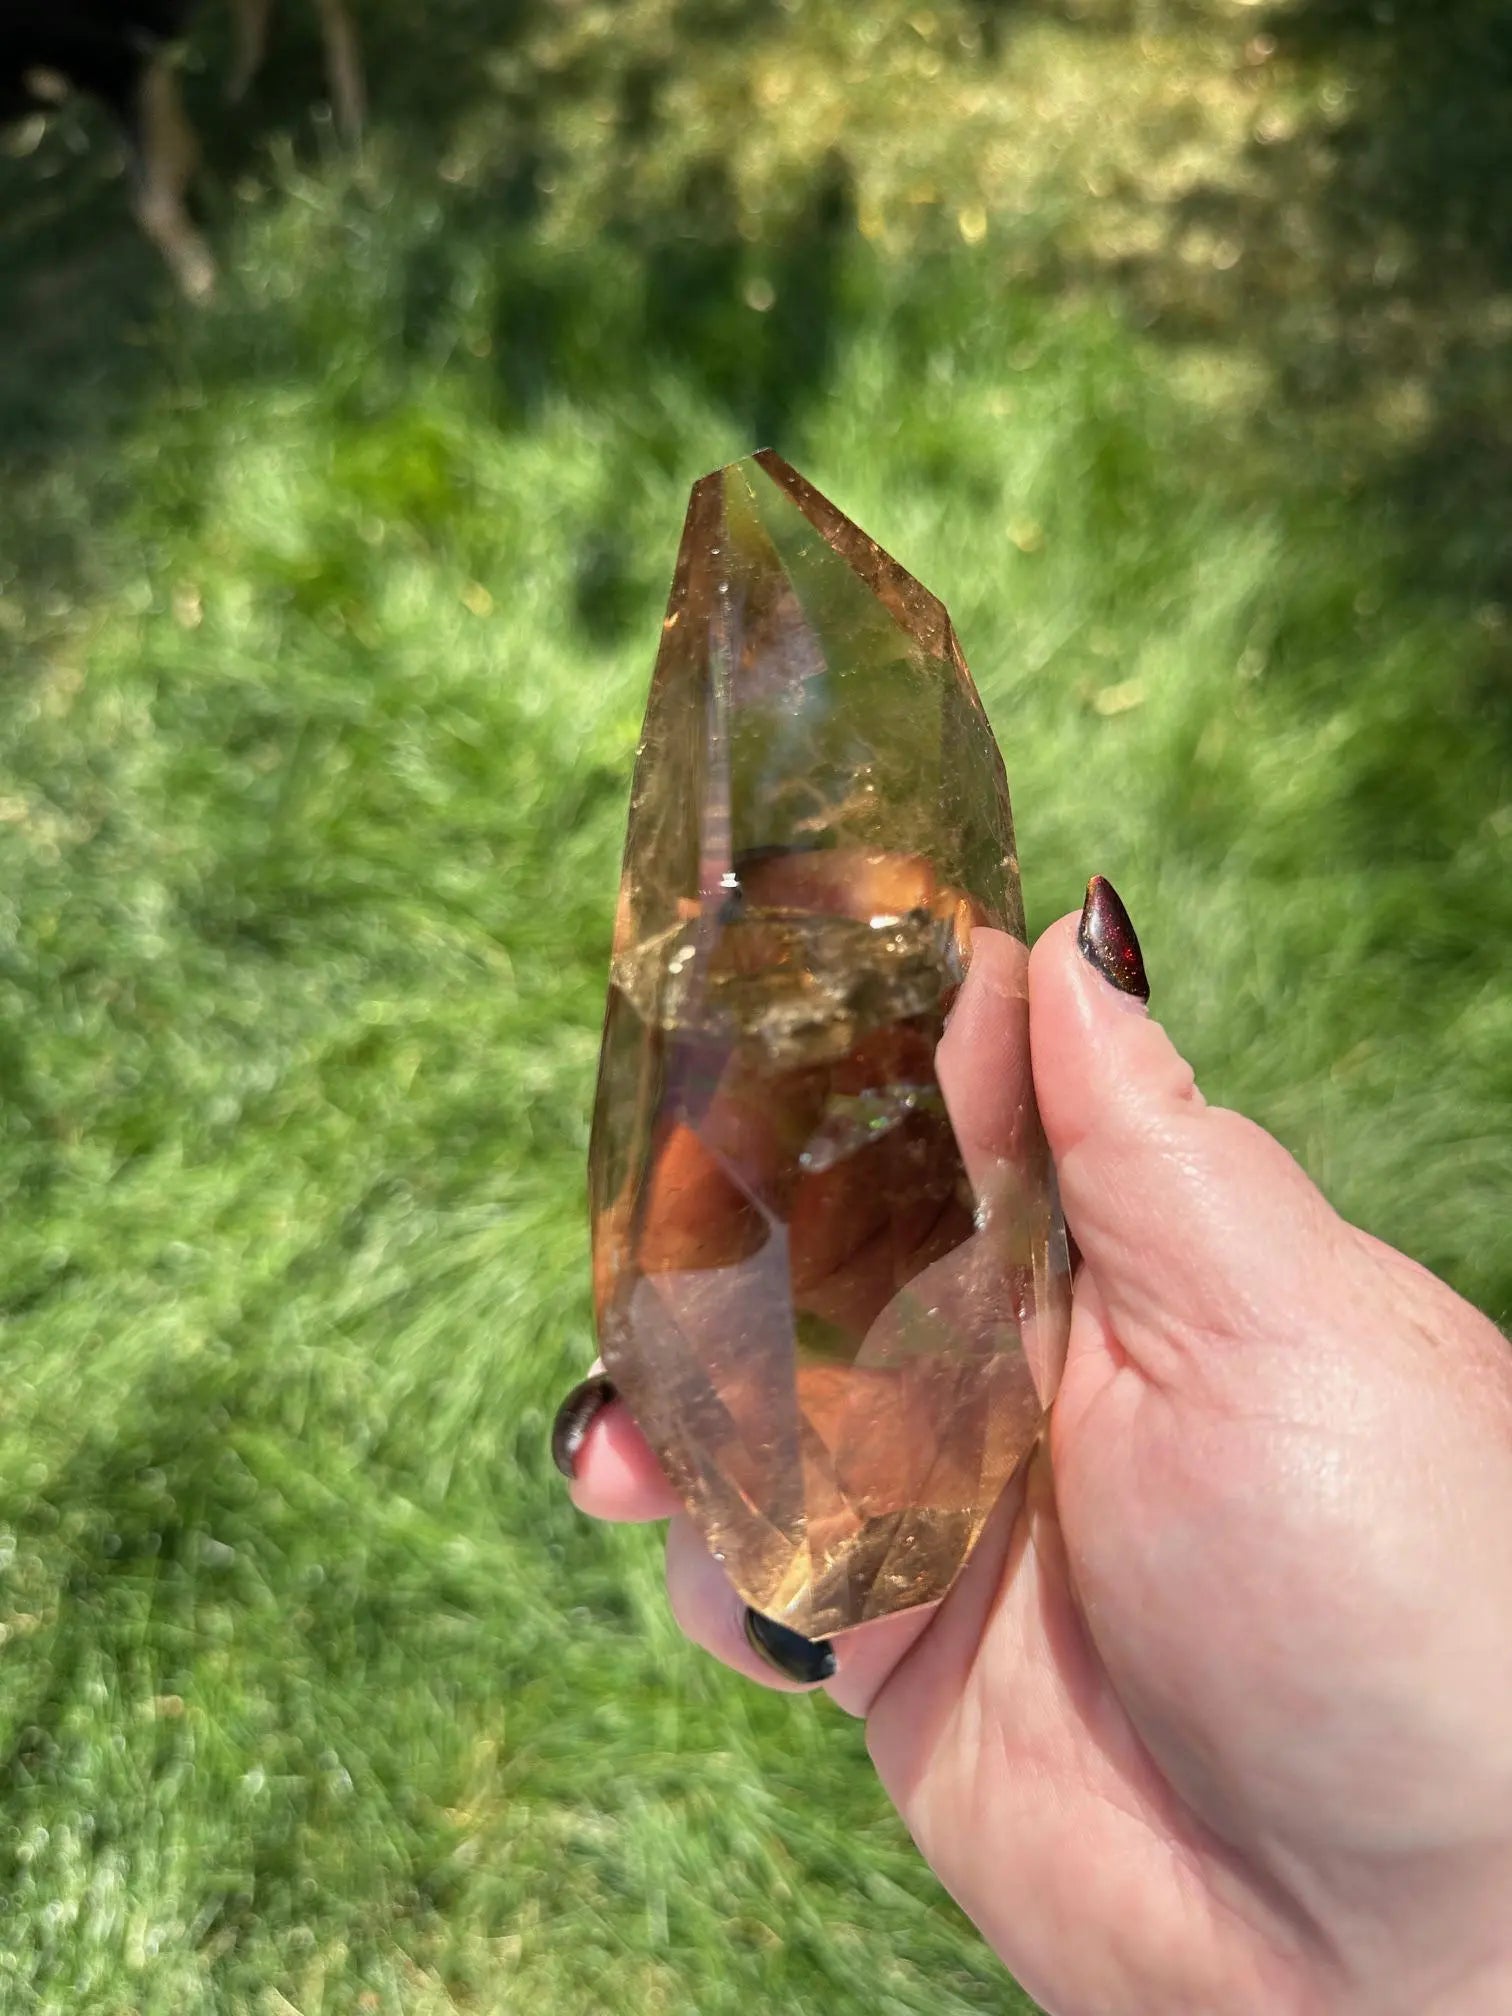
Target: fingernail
575, 1417
806, 1660
1105, 938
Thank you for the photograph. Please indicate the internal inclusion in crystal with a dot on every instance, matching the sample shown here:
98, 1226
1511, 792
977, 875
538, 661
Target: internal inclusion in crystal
799, 989
823, 1237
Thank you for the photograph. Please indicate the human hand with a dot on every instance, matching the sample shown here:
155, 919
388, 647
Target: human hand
1218, 1718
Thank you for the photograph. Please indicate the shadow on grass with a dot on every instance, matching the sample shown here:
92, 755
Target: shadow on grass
1371, 262
1414, 221
1376, 246
1371, 273
89, 321
169, 1538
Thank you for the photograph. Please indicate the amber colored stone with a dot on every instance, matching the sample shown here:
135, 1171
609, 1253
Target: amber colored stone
829, 1270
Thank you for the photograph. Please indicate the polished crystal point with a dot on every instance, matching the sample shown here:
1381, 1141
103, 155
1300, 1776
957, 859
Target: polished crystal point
829, 1271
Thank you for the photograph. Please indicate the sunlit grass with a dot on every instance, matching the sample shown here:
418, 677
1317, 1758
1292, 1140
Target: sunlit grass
327, 618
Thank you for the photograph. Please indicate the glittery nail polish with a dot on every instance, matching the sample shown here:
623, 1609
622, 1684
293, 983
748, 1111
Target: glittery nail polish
1106, 939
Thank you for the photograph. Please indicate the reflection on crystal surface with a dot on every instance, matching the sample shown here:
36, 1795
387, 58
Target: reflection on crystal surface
829, 1272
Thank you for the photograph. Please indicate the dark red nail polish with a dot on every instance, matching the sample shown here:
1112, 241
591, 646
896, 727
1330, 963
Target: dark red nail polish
575, 1417
806, 1660
1106, 939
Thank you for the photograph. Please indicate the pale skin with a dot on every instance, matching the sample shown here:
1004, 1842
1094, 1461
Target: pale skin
1218, 1719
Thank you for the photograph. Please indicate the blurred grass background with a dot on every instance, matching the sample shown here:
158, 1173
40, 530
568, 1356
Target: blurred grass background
1167, 340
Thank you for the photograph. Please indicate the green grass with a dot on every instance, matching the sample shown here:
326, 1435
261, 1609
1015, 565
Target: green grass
1167, 342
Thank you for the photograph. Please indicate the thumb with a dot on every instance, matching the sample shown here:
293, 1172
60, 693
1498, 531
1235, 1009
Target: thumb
1192, 1221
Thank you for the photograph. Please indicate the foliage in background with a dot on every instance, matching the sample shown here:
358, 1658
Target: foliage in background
1167, 341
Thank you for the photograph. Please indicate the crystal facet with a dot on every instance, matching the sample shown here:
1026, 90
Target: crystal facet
829, 1270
